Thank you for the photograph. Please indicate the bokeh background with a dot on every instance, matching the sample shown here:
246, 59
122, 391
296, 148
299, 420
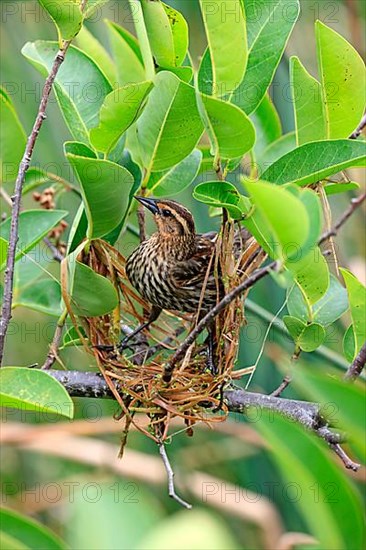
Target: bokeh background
66, 474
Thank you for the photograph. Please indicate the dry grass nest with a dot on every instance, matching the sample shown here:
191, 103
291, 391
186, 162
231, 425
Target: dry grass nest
135, 376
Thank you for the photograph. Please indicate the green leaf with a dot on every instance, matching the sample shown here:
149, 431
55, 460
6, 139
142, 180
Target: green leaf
294, 325
33, 226
267, 125
308, 104
80, 86
276, 150
225, 27
92, 7
67, 16
159, 32
312, 162
311, 273
326, 310
304, 460
348, 399
349, 349
269, 27
230, 131
3, 250
342, 74
179, 29
12, 139
126, 54
285, 215
204, 76
177, 178
27, 533
170, 125
100, 301
105, 188
357, 300
43, 296
87, 42
34, 390
335, 188
312, 337
220, 194
119, 110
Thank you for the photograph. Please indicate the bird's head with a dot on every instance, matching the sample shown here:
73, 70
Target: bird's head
171, 218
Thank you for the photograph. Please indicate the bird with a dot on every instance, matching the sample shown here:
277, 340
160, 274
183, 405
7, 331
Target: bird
174, 268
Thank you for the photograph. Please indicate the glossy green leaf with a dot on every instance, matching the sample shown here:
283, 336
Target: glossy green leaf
312, 162
349, 340
304, 460
343, 78
34, 390
294, 325
276, 150
311, 272
159, 32
80, 86
220, 194
12, 139
349, 405
33, 226
32, 266
326, 310
177, 178
67, 16
230, 131
267, 125
269, 27
357, 300
27, 533
105, 187
179, 29
308, 104
126, 54
170, 125
103, 298
285, 215
87, 42
43, 296
204, 75
225, 27
312, 337
119, 110
335, 188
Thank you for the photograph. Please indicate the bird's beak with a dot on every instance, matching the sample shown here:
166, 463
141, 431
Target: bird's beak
150, 204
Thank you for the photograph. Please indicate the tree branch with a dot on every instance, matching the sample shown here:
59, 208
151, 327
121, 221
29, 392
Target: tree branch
90, 384
355, 369
16, 198
332, 232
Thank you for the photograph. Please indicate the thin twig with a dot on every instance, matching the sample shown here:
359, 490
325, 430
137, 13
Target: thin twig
359, 128
53, 351
209, 317
288, 378
347, 461
355, 369
170, 473
16, 198
355, 203
56, 254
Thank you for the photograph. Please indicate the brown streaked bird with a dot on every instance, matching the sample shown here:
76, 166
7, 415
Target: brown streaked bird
169, 269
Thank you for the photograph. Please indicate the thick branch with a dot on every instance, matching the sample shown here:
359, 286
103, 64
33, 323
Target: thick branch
16, 198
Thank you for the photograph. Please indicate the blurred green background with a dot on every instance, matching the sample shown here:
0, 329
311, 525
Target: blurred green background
71, 480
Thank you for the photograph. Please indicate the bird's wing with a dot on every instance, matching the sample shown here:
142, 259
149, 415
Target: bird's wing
191, 272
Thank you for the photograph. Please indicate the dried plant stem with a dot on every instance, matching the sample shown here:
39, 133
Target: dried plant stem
170, 473
16, 198
52, 354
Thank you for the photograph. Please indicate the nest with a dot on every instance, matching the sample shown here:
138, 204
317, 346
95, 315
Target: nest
135, 376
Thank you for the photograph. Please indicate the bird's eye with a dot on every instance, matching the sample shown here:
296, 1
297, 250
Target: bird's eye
166, 213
